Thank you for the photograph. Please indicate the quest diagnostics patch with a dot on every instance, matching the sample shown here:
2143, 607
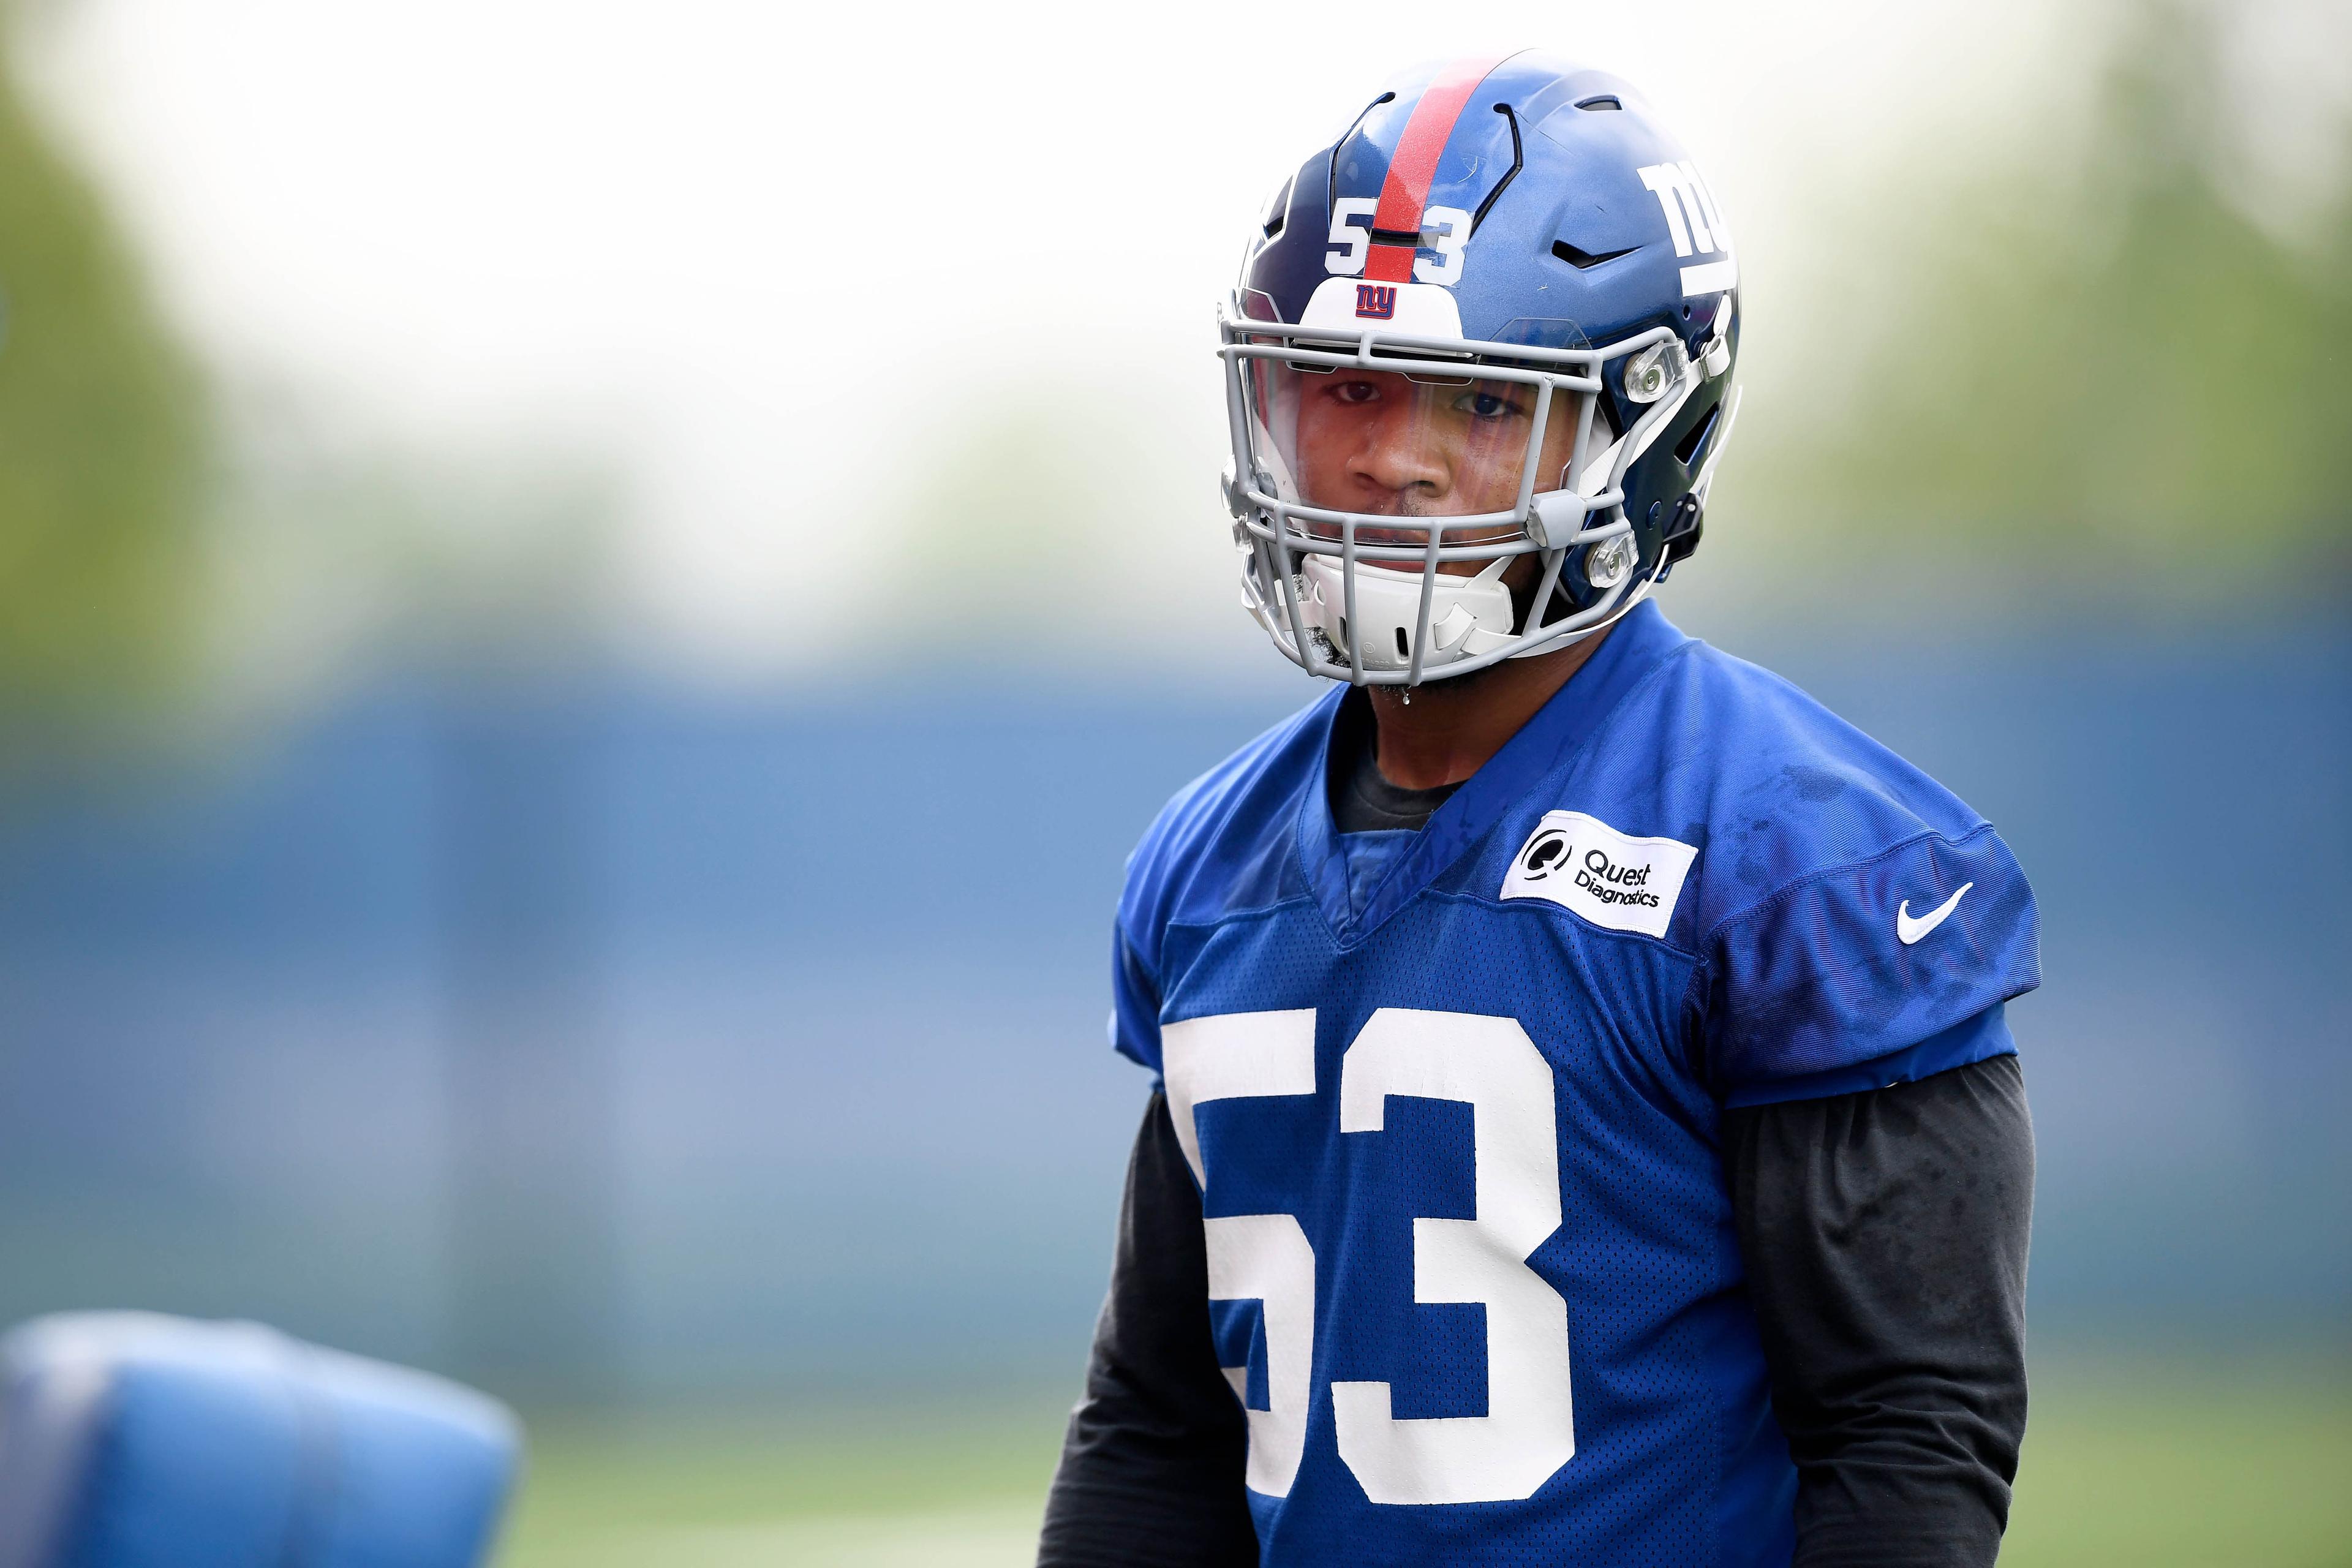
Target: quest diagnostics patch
1582, 863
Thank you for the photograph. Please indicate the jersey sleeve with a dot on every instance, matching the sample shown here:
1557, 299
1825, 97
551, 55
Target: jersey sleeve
1135, 1005
1884, 970
1135, 989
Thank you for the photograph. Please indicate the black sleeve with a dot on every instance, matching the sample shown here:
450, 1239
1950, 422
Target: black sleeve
1151, 1467
1884, 1235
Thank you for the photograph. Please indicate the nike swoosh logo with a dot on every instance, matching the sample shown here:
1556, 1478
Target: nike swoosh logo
1908, 931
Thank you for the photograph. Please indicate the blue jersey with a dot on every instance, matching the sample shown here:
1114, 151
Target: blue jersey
1452, 1097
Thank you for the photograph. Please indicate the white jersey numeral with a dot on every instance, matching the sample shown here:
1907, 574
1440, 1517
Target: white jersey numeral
1265, 1259
1261, 1257
1489, 1064
1529, 1429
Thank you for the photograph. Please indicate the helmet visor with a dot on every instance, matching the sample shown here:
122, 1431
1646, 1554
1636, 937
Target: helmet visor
1405, 453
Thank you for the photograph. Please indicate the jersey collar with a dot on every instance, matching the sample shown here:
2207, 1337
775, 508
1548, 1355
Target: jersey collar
1636, 646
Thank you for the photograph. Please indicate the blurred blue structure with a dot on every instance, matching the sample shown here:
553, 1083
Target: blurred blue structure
607, 1042
140, 1441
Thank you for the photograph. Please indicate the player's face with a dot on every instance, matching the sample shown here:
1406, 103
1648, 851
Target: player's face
1372, 441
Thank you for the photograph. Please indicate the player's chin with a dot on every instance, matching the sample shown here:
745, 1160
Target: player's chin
1441, 684
1467, 686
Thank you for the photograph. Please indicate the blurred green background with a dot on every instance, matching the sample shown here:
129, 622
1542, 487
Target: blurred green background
489, 582
2136, 1459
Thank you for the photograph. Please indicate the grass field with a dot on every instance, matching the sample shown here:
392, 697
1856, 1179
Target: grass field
2127, 1463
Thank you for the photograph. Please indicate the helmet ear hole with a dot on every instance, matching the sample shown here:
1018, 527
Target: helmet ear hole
1687, 449
1403, 651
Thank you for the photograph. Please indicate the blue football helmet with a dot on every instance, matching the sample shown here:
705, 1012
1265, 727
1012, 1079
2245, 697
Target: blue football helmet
1479, 371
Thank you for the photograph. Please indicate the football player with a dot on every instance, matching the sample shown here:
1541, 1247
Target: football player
1585, 1129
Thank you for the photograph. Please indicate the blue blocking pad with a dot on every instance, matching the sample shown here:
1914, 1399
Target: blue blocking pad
137, 1441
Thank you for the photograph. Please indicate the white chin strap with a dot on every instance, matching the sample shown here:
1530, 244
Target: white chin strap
1467, 616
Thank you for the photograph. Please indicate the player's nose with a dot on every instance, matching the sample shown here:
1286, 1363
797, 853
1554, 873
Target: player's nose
1400, 454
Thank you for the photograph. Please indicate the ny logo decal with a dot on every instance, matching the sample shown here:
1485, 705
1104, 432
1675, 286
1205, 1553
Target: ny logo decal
1377, 301
1694, 224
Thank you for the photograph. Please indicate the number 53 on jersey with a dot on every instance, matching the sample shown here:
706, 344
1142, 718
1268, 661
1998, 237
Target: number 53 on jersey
1489, 1064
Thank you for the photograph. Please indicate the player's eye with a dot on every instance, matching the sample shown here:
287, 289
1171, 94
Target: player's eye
1355, 390
1485, 405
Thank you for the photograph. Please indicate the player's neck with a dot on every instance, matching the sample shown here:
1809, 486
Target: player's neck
1450, 727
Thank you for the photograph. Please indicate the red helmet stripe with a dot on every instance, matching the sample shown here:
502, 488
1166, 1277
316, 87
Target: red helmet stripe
1427, 132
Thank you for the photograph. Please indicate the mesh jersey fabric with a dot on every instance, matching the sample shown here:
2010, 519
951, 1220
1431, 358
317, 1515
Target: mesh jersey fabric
1780, 970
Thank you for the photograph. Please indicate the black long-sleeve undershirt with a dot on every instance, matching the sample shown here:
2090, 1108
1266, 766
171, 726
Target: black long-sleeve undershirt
1885, 1239
1884, 1235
